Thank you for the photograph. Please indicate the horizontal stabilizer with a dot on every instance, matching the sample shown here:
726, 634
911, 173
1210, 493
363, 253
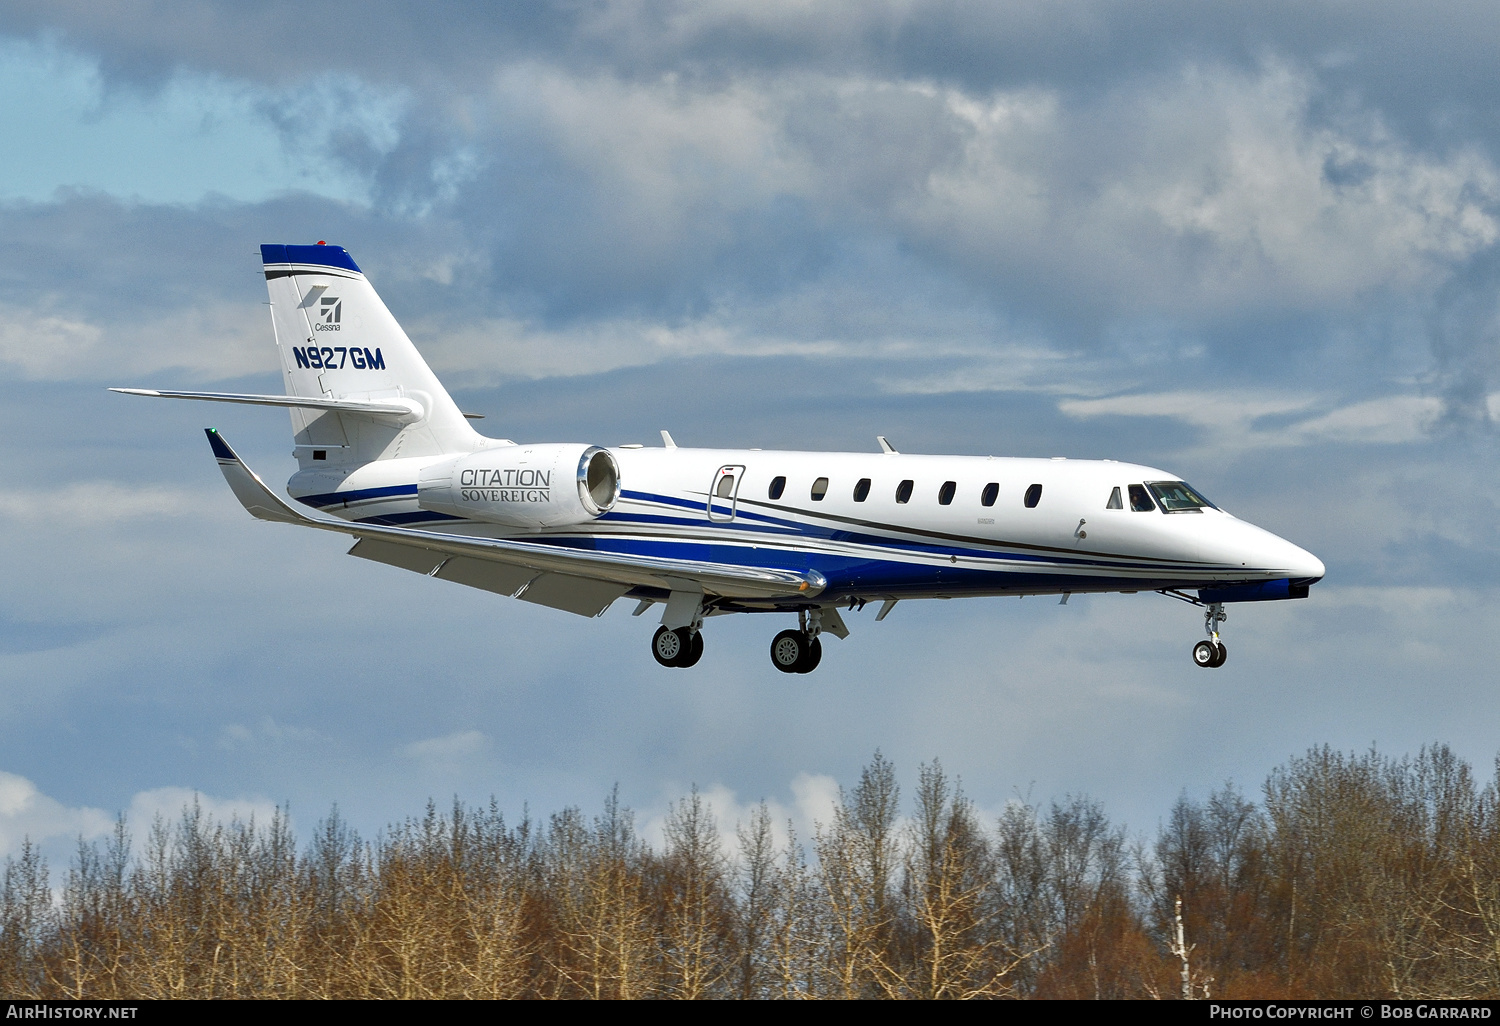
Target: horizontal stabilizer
379, 408
565, 591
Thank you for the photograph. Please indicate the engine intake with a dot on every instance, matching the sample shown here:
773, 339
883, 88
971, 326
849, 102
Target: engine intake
524, 485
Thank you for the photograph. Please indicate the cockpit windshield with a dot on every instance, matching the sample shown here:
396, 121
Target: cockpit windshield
1178, 497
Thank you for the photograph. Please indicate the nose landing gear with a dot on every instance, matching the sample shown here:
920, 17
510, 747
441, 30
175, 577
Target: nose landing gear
1211, 654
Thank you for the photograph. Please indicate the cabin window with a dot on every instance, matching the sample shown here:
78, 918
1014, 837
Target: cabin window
819, 489
1033, 496
1139, 500
1114, 500
862, 490
1178, 497
903, 491
945, 493
778, 485
990, 494
726, 487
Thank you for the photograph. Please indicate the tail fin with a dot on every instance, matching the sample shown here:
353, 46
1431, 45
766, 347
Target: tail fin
338, 342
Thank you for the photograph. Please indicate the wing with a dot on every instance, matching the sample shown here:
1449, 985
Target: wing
579, 580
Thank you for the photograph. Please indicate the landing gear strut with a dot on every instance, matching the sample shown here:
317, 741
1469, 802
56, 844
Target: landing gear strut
1211, 654
681, 647
799, 651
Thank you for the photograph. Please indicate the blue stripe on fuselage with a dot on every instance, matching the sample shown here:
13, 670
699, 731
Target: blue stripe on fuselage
325, 499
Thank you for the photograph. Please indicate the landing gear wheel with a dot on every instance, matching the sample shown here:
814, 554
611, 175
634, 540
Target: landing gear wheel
669, 646
693, 652
811, 656
789, 651
1223, 653
1206, 654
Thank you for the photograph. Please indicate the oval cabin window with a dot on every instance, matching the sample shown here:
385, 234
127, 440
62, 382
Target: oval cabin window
903, 491
819, 489
778, 485
1033, 496
945, 493
990, 494
862, 490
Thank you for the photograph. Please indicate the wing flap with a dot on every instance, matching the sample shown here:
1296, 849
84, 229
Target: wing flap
486, 574
407, 557
580, 595
626, 571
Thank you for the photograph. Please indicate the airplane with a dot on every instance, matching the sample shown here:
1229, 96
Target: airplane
385, 456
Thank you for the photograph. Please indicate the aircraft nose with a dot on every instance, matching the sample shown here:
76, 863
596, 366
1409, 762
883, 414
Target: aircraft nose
1259, 549
1297, 563
1304, 564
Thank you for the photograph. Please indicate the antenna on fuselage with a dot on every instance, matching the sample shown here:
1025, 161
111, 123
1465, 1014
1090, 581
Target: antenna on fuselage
886, 447
666, 439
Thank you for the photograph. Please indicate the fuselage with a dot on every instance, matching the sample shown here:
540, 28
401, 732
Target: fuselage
878, 525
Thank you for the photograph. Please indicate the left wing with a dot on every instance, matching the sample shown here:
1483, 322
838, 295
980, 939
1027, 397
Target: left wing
483, 562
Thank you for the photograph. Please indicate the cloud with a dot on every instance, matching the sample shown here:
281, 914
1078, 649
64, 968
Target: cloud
169, 803
193, 135
26, 813
814, 799
1235, 421
456, 747
97, 502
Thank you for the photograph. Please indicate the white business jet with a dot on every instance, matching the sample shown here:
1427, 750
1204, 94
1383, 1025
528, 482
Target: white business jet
385, 455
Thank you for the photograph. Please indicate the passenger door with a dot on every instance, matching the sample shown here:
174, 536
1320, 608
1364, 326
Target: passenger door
723, 494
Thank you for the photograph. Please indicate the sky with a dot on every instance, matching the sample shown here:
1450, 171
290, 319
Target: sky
1253, 244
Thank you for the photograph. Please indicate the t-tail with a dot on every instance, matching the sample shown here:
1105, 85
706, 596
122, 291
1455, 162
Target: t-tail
357, 388
337, 341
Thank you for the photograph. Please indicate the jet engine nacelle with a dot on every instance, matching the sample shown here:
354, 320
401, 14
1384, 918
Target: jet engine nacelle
523, 485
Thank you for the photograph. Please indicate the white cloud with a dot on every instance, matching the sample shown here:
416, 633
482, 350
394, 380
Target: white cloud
1203, 193
456, 747
206, 341
267, 733
170, 802
1229, 418
98, 502
814, 799
27, 813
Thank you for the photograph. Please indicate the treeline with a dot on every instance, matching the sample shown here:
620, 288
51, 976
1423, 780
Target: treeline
1355, 875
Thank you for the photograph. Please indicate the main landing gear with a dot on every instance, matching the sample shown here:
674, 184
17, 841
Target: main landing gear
1211, 654
794, 651
681, 647
799, 651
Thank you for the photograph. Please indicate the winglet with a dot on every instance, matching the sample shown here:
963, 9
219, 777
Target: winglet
252, 492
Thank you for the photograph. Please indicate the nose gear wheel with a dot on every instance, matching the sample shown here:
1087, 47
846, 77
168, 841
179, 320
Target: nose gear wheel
1211, 654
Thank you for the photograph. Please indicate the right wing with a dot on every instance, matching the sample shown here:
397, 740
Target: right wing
484, 562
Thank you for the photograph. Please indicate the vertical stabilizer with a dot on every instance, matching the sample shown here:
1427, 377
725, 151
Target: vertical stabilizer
337, 340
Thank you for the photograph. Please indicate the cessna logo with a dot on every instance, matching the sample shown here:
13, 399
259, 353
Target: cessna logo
330, 313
